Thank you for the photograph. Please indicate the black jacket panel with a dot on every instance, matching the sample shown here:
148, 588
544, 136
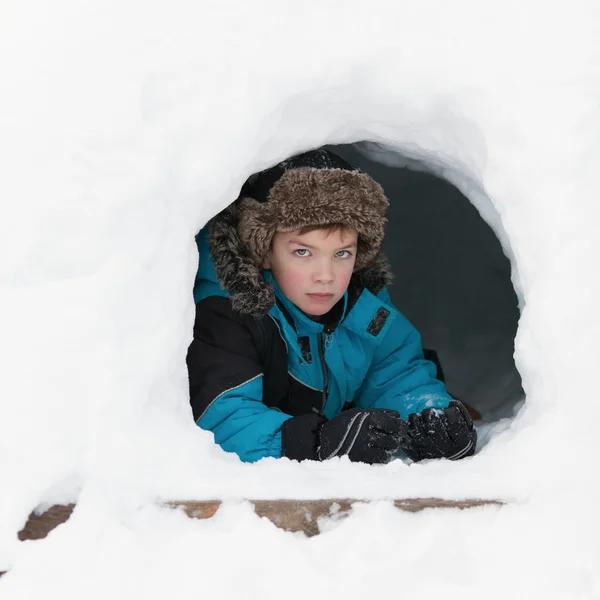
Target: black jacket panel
230, 349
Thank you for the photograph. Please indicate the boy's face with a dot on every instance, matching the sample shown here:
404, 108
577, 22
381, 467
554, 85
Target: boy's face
313, 270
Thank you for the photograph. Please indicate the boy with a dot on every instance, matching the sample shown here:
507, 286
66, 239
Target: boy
298, 350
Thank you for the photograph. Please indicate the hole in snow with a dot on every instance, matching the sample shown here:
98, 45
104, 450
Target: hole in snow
452, 280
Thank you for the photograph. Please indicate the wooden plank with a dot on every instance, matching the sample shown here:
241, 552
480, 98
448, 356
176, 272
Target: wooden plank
303, 515
291, 515
39, 526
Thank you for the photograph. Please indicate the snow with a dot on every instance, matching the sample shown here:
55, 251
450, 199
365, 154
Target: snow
125, 126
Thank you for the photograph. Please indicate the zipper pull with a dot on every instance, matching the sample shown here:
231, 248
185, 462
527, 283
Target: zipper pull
329, 340
329, 334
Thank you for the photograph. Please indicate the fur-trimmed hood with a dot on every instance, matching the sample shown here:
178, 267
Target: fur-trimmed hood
315, 188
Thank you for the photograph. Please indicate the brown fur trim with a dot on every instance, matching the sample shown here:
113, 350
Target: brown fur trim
309, 196
249, 292
377, 275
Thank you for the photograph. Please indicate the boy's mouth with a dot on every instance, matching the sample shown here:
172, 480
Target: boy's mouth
320, 296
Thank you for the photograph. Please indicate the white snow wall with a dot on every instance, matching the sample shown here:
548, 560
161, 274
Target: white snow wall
126, 126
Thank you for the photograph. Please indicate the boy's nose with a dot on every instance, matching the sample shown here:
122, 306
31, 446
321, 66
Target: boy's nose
324, 273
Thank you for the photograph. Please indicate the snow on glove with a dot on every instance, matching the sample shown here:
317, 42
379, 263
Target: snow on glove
364, 435
437, 433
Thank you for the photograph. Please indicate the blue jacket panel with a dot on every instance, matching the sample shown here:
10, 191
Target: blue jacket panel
372, 359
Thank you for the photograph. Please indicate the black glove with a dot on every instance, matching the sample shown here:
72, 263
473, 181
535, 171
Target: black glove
365, 435
300, 436
437, 433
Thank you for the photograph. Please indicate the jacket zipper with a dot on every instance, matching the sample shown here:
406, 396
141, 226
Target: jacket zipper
323, 367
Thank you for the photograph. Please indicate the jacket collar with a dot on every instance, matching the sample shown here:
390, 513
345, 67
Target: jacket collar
298, 319
360, 312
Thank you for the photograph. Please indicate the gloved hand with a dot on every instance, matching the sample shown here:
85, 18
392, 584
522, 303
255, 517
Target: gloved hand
365, 435
440, 433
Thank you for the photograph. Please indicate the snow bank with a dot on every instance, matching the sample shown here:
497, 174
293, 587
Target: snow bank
125, 126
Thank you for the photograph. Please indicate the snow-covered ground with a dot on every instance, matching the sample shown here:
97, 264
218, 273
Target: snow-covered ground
124, 127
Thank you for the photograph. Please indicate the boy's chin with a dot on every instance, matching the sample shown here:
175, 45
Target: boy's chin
316, 313
317, 310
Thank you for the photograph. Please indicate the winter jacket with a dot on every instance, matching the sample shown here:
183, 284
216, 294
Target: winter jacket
249, 374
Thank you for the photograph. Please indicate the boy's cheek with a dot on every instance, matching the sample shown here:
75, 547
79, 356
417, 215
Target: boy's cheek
290, 279
296, 280
347, 275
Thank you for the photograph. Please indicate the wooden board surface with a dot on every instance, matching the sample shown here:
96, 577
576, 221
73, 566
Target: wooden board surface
291, 515
304, 515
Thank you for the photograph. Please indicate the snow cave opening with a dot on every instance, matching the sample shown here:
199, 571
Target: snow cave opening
452, 280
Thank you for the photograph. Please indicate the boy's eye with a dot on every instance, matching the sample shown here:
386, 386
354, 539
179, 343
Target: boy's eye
343, 254
301, 252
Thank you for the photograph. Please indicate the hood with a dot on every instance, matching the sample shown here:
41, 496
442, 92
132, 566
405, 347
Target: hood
236, 272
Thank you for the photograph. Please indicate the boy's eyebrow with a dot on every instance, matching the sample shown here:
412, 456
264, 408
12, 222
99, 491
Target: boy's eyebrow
305, 245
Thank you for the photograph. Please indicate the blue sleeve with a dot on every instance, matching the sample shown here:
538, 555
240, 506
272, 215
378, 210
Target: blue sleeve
400, 378
241, 423
226, 382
